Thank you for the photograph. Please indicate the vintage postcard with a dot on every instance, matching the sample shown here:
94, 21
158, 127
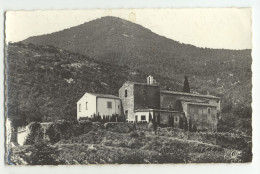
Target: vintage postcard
128, 86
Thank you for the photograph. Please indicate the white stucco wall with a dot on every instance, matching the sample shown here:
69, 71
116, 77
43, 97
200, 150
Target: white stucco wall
139, 114
21, 137
102, 108
91, 106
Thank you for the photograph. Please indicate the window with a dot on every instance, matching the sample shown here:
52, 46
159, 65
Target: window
126, 114
176, 119
86, 105
209, 110
143, 117
125, 93
109, 104
79, 107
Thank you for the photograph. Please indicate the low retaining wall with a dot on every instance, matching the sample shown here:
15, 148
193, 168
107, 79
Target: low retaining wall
120, 127
55, 131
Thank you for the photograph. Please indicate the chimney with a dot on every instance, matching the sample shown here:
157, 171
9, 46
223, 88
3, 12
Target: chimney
150, 80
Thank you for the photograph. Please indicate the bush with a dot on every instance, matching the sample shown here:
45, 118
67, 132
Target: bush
120, 127
134, 134
134, 143
142, 134
108, 143
43, 153
63, 130
246, 154
132, 157
35, 133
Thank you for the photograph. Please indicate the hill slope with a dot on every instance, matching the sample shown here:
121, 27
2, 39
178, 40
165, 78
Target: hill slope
226, 73
46, 82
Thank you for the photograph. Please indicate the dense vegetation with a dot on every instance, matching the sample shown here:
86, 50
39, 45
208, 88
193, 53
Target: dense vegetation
99, 145
45, 83
226, 73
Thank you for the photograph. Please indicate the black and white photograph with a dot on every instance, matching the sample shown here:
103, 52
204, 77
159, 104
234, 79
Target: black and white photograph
128, 86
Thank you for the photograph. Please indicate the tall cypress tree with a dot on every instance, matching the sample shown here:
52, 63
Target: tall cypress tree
186, 86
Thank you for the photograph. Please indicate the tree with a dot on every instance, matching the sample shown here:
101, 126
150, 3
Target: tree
186, 86
150, 117
43, 154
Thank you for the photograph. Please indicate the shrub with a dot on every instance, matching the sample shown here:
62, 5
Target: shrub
35, 133
120, 127
122, 144
142, 134
43, 154
132, 157
246, 154
85, 126
134, 134
134, 143
108, 143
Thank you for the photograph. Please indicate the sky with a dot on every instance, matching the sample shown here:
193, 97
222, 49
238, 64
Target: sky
228, 28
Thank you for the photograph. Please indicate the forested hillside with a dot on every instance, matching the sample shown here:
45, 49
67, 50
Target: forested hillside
226, 73
44, 82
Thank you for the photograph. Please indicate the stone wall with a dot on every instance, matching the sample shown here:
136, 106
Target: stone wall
172, 100
127, 102
55, 131
139, 96
196, 120
120, 127
172, 119
201, 119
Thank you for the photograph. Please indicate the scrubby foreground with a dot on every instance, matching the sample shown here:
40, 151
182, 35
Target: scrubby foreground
108, 145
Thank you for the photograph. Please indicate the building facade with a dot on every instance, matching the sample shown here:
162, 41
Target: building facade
146, 101
201, 111
136, 96
92, 104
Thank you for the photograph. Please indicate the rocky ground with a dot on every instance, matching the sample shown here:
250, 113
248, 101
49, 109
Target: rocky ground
108, 146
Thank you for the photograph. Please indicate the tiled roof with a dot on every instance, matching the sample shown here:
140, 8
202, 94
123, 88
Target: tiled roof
137, 83
105, 96
200, 104
189, 94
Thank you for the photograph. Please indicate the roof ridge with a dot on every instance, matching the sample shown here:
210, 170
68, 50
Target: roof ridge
103, 95
201, 95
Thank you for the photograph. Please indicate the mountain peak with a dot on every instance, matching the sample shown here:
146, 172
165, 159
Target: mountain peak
118, 41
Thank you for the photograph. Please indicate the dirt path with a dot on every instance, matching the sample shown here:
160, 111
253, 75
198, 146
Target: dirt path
191, 141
